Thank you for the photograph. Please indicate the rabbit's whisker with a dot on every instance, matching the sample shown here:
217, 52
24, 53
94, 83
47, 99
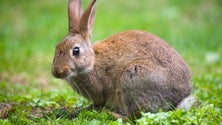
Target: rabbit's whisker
84, 82
75, 85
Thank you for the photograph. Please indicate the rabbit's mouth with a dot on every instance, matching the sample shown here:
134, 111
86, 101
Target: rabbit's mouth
76, 72
63, 71
72, 74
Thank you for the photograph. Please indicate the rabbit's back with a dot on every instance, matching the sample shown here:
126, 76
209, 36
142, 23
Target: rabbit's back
125, 47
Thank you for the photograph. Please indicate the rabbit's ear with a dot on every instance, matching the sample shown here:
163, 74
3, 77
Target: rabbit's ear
74, 13
87, 20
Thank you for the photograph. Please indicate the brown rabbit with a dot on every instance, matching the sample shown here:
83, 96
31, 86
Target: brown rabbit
128, 72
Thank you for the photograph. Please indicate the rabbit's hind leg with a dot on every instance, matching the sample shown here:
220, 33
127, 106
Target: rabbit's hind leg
142, 85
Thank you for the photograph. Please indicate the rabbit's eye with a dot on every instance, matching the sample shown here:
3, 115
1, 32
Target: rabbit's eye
75, 51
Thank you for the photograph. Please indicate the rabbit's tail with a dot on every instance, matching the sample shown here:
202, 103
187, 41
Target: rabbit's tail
188, 102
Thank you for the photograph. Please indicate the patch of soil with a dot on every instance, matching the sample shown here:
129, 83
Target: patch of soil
5, 109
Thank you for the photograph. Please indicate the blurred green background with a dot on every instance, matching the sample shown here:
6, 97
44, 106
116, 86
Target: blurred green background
30, 30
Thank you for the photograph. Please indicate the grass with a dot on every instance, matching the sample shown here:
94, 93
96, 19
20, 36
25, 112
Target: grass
29, 31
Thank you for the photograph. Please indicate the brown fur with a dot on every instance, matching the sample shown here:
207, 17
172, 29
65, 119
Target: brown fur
129, 72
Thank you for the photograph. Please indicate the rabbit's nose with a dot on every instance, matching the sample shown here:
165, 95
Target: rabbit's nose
61, 72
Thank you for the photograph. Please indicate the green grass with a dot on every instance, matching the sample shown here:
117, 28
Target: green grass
29, 31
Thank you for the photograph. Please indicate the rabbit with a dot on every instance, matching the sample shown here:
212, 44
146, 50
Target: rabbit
128, 73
